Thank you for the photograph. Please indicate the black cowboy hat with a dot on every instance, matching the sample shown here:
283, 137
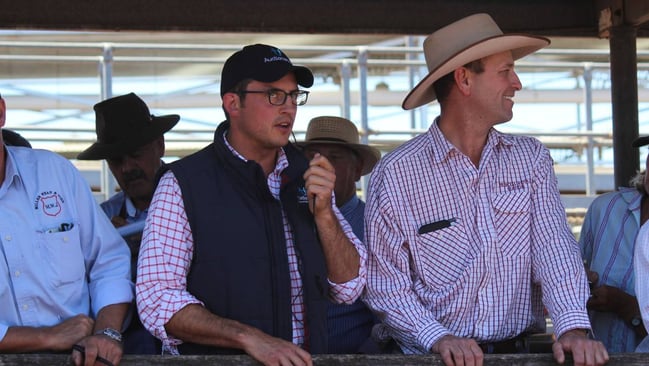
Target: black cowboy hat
124, 124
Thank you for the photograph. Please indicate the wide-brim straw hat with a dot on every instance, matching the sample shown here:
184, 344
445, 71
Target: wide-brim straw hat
462, 42
337, 130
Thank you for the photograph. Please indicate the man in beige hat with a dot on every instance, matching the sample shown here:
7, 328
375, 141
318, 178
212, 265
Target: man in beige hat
466, 231
337, 139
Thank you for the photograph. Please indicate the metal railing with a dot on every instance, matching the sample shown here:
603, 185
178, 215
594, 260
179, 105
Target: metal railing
350, 66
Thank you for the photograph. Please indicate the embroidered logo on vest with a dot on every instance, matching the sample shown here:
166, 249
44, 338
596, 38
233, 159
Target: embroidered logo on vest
301, 195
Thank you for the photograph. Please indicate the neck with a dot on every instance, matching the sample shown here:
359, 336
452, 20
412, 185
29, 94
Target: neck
141, 204
644, 209
265, 157
3, 162
468, 137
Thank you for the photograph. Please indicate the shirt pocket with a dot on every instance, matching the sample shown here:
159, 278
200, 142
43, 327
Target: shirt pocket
62, 256
512, 220
442, 256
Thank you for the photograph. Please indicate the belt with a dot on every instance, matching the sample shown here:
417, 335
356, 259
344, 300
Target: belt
513, 345
523, 343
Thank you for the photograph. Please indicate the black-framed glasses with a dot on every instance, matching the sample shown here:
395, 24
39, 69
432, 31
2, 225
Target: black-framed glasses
278, 96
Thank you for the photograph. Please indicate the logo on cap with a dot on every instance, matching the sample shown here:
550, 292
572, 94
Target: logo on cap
279, 56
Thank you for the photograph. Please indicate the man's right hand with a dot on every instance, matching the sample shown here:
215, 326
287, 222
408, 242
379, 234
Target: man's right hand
64, 335
275, 351
456, 351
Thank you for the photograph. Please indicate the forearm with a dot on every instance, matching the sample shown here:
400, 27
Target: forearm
195, 324
341, 256
26, 339
629, 312
111, 316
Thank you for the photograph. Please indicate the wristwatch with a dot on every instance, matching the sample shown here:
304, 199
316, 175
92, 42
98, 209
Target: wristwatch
111, 333
636, 320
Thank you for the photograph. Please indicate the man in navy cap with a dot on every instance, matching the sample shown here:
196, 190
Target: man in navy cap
244, 244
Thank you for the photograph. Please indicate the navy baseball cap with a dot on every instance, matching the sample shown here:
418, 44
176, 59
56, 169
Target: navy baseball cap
262, 63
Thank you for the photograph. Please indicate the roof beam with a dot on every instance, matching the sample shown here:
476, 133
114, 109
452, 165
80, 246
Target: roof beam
575, 18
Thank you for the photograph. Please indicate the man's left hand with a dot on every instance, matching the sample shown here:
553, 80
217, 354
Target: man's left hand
320, 180
585, 352
95, 347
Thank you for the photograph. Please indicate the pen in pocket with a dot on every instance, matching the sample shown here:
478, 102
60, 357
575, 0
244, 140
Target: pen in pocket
66, 226
437, 225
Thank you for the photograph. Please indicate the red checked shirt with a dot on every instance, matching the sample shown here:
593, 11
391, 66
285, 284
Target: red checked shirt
479, 275
166, 255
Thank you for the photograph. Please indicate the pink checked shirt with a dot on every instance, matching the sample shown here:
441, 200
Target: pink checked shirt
480, 277
166, 254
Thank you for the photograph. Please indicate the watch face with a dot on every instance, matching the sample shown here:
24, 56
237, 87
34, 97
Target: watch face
636, 321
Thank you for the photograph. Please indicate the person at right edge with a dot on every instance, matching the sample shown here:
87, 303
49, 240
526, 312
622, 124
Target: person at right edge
466, 233
607, 242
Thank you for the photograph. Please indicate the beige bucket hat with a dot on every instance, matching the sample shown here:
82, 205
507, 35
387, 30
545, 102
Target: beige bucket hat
337, 130
461, 42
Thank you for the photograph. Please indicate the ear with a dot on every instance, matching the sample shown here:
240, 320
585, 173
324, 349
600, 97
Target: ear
3, 111
160, 144
358, 169
231, 103
462, 78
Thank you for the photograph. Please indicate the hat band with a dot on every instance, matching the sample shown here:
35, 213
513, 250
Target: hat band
331, 139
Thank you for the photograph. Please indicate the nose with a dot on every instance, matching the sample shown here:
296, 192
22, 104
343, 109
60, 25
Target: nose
516, 82
128, 164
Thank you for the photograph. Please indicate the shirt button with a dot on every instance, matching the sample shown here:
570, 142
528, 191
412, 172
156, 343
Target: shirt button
17, 273
65, 239
8, 237
25, 307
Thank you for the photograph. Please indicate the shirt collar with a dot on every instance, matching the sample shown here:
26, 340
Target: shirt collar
442, 148
131, 210
348, 207
280, 164
11, 171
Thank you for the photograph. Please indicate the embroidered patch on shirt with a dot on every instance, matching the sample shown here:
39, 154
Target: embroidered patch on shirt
515, 186
50, 202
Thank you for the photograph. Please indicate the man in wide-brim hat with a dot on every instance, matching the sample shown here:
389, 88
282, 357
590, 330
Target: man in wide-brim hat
340, 135
467, 234
131, 140
337, 139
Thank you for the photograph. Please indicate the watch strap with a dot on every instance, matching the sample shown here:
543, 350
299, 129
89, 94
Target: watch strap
111, 333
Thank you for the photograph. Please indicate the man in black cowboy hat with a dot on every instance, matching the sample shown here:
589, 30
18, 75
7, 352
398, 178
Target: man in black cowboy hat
337, 139
468, 236
131, 140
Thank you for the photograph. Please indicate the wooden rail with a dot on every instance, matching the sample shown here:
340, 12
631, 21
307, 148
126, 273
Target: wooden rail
620, 359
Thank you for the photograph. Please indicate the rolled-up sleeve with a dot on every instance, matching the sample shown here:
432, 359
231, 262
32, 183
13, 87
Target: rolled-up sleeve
163, 264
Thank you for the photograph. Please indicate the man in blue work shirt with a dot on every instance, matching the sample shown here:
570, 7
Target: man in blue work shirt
65, 278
